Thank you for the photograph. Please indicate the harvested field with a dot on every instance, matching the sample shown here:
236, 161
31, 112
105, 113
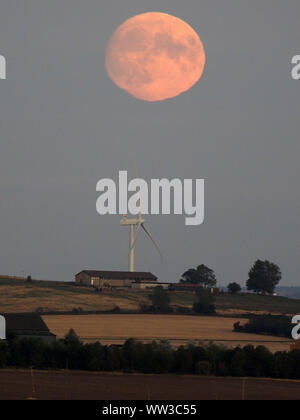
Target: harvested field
178, 329
71, 385
60, 297
50, 296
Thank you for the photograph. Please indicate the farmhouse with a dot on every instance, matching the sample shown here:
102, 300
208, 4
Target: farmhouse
149, 285
191, 287
108, 279
28, 325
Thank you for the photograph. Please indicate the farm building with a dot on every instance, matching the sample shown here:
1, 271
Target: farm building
28, 325
107, 279
191, 287
149, 285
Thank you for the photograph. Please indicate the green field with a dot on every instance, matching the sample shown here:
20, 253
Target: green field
20, 296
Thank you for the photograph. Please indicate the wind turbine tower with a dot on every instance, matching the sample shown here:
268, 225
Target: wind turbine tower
136, 224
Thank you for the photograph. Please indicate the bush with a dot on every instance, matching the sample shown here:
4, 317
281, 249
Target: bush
203, 368
183, 310
39, 310
77, 311
205, 303
204, 309
160, 300
4, 354
279, 326
147, 309
234, 288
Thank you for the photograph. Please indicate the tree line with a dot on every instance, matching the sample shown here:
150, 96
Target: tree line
155, 357
263, 277
277, 325
161, 303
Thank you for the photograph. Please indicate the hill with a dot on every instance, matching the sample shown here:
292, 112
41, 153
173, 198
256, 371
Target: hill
47, 296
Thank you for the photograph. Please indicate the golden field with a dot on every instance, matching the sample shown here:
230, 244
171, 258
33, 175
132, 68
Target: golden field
47, 296
59, 297
178, 329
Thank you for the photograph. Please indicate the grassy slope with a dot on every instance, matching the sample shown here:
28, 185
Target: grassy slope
250, 302
16, 296
244, 303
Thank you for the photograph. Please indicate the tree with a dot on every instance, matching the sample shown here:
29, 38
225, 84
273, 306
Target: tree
160, 299
234, 288
264, 276
201, 275
205, 302
75, 351
71, 339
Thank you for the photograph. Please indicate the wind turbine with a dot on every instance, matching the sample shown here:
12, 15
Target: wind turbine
136, 224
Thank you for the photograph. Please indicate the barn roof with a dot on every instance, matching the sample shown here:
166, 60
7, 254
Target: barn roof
26, 322
120, 275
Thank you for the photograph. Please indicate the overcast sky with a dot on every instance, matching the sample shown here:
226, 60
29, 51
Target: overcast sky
64, 125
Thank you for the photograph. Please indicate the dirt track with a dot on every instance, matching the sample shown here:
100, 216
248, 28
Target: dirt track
94, 386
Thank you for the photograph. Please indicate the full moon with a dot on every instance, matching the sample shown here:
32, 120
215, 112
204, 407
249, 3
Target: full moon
155, 56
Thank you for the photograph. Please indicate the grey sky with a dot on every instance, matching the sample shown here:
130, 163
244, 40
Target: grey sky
64, 125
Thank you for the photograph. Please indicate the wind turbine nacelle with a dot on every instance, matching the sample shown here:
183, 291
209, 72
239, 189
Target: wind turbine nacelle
129, 222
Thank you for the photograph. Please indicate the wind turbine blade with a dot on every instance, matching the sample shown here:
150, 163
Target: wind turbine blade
153, 240
135, 237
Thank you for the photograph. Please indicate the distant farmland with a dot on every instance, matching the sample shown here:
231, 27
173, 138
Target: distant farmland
17, 296
115, 329
46, 296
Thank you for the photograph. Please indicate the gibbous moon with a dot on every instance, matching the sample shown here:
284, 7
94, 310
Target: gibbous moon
155, 56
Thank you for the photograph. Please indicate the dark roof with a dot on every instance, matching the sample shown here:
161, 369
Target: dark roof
120, 275
26, 322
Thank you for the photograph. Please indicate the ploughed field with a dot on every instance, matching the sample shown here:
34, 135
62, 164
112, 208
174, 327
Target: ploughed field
178, 329
73, 385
